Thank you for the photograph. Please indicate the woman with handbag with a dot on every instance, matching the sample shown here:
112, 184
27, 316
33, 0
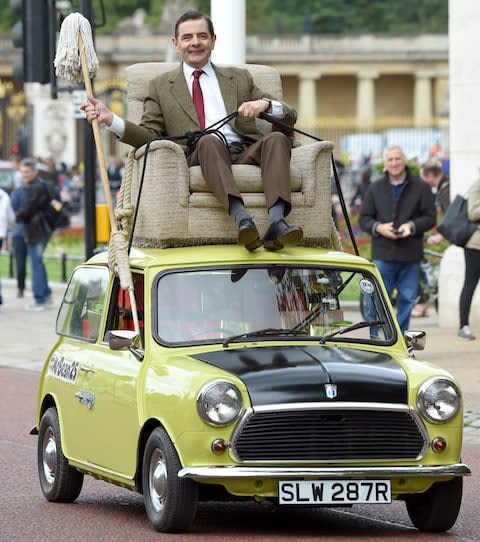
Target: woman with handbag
472, 264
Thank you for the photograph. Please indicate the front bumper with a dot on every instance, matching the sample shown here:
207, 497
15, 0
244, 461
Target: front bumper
448, 471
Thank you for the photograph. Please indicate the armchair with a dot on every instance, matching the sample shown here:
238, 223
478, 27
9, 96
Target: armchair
177, 208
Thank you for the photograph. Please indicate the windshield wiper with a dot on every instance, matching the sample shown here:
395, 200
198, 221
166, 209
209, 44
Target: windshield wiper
352, 327
263, 332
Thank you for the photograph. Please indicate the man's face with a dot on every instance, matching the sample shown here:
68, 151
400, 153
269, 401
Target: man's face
431, 178
394, 163
194, 43
28, 173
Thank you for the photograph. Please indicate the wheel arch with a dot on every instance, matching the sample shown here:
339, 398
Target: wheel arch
146, 431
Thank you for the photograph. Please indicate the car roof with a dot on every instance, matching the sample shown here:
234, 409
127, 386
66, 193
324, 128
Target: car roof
233, 254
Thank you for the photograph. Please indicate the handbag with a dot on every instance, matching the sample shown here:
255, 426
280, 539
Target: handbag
455, 225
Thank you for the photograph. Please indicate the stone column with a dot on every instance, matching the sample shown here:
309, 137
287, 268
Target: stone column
464, 89
422, 99
229, 21
307, 98
366, 99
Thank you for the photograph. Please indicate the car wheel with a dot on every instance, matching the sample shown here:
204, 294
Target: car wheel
437, 509
59, 481
170, 501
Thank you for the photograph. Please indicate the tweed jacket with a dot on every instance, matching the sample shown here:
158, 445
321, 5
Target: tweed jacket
473, 200
168, 108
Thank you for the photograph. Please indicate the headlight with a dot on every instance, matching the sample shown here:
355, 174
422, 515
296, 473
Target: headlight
219, 402
438, 399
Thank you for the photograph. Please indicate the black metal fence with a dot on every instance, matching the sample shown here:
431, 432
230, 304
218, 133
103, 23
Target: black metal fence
63, 261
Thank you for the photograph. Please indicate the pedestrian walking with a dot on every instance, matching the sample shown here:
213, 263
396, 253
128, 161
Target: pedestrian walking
37, 231
7, 220
472, 264
18, 240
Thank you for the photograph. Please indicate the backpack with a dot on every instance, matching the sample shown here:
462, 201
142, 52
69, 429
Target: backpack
55, 213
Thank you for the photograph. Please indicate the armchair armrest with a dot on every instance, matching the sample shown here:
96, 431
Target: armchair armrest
166, 172
314, 162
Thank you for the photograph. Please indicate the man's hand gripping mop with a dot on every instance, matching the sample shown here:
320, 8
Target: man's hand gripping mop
77, 61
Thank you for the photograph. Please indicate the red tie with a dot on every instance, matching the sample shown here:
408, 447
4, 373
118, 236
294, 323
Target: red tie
198, 98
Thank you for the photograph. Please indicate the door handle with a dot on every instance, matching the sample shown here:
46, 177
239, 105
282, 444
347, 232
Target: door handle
85, 369
86, 398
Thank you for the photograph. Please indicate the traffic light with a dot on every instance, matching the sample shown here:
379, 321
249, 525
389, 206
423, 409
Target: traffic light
32, 33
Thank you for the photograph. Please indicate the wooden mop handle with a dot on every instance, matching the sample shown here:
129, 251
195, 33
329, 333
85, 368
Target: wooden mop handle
96, 135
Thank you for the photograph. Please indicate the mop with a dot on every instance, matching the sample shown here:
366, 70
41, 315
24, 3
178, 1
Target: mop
77, 61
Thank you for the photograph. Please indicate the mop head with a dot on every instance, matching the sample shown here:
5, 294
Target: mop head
67, 60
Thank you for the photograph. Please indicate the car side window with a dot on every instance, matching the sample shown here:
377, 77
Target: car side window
120, 313
82, 307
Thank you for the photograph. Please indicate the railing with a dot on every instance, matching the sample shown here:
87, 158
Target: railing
63, 260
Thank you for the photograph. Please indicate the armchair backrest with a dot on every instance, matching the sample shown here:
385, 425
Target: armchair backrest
139, 75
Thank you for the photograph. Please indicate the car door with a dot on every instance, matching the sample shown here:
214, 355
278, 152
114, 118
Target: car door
115, 423
70, 371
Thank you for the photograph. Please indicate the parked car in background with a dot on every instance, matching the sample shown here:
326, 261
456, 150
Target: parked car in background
6, 175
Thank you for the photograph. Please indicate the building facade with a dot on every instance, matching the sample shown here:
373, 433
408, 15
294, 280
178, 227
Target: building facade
340, 85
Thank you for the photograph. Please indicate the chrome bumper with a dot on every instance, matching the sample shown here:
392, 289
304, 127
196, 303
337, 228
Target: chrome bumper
449, 471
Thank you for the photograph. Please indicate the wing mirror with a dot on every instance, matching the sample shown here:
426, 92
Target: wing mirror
118, 339
415, 340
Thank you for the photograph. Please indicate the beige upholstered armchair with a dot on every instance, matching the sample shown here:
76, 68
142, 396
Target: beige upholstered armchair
177, 208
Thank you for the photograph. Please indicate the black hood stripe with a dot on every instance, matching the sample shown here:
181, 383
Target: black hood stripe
294, 374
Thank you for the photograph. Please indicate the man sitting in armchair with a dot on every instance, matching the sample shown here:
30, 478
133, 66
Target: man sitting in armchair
197, 95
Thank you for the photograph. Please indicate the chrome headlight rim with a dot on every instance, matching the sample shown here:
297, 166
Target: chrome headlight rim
423, 402
205, 403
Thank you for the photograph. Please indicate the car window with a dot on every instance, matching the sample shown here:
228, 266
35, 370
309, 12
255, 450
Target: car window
120, 313
82, 307
215, 304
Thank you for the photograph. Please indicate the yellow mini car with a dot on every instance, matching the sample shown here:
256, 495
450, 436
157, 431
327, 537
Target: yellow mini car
271, 376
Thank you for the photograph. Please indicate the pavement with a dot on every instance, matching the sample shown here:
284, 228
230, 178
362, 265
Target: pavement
27, 338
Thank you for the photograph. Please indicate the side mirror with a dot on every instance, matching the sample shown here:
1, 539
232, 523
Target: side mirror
415, 340
118, 339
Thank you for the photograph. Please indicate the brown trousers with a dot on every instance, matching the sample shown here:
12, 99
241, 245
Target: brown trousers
272, 153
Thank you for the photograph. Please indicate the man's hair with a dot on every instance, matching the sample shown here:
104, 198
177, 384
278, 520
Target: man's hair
393, 148
432, 166
29, 162
194, 15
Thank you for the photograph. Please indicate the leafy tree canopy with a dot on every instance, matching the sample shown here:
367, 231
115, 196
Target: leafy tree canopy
290, 16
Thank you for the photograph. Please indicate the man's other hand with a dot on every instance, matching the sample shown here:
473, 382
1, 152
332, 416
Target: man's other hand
254, 108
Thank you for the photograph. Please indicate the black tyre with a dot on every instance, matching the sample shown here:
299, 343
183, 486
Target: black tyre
437, 509
59, 481
170, 501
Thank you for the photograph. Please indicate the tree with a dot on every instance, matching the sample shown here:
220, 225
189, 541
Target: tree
292, 16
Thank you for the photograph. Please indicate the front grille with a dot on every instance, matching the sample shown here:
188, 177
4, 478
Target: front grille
328, 435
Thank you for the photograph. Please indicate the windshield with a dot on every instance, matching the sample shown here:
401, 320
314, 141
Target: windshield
278, 303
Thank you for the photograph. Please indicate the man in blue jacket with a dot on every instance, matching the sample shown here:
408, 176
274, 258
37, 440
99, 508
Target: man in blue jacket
398, 209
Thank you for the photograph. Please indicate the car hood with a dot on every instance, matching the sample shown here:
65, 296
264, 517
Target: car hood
279, 375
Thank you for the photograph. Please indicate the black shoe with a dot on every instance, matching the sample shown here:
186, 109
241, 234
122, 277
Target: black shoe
248, 234
280, 234
20, 292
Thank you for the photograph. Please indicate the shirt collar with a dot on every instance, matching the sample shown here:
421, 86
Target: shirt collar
188, 70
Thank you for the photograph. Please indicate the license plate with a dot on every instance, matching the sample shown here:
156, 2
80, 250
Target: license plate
334, 492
